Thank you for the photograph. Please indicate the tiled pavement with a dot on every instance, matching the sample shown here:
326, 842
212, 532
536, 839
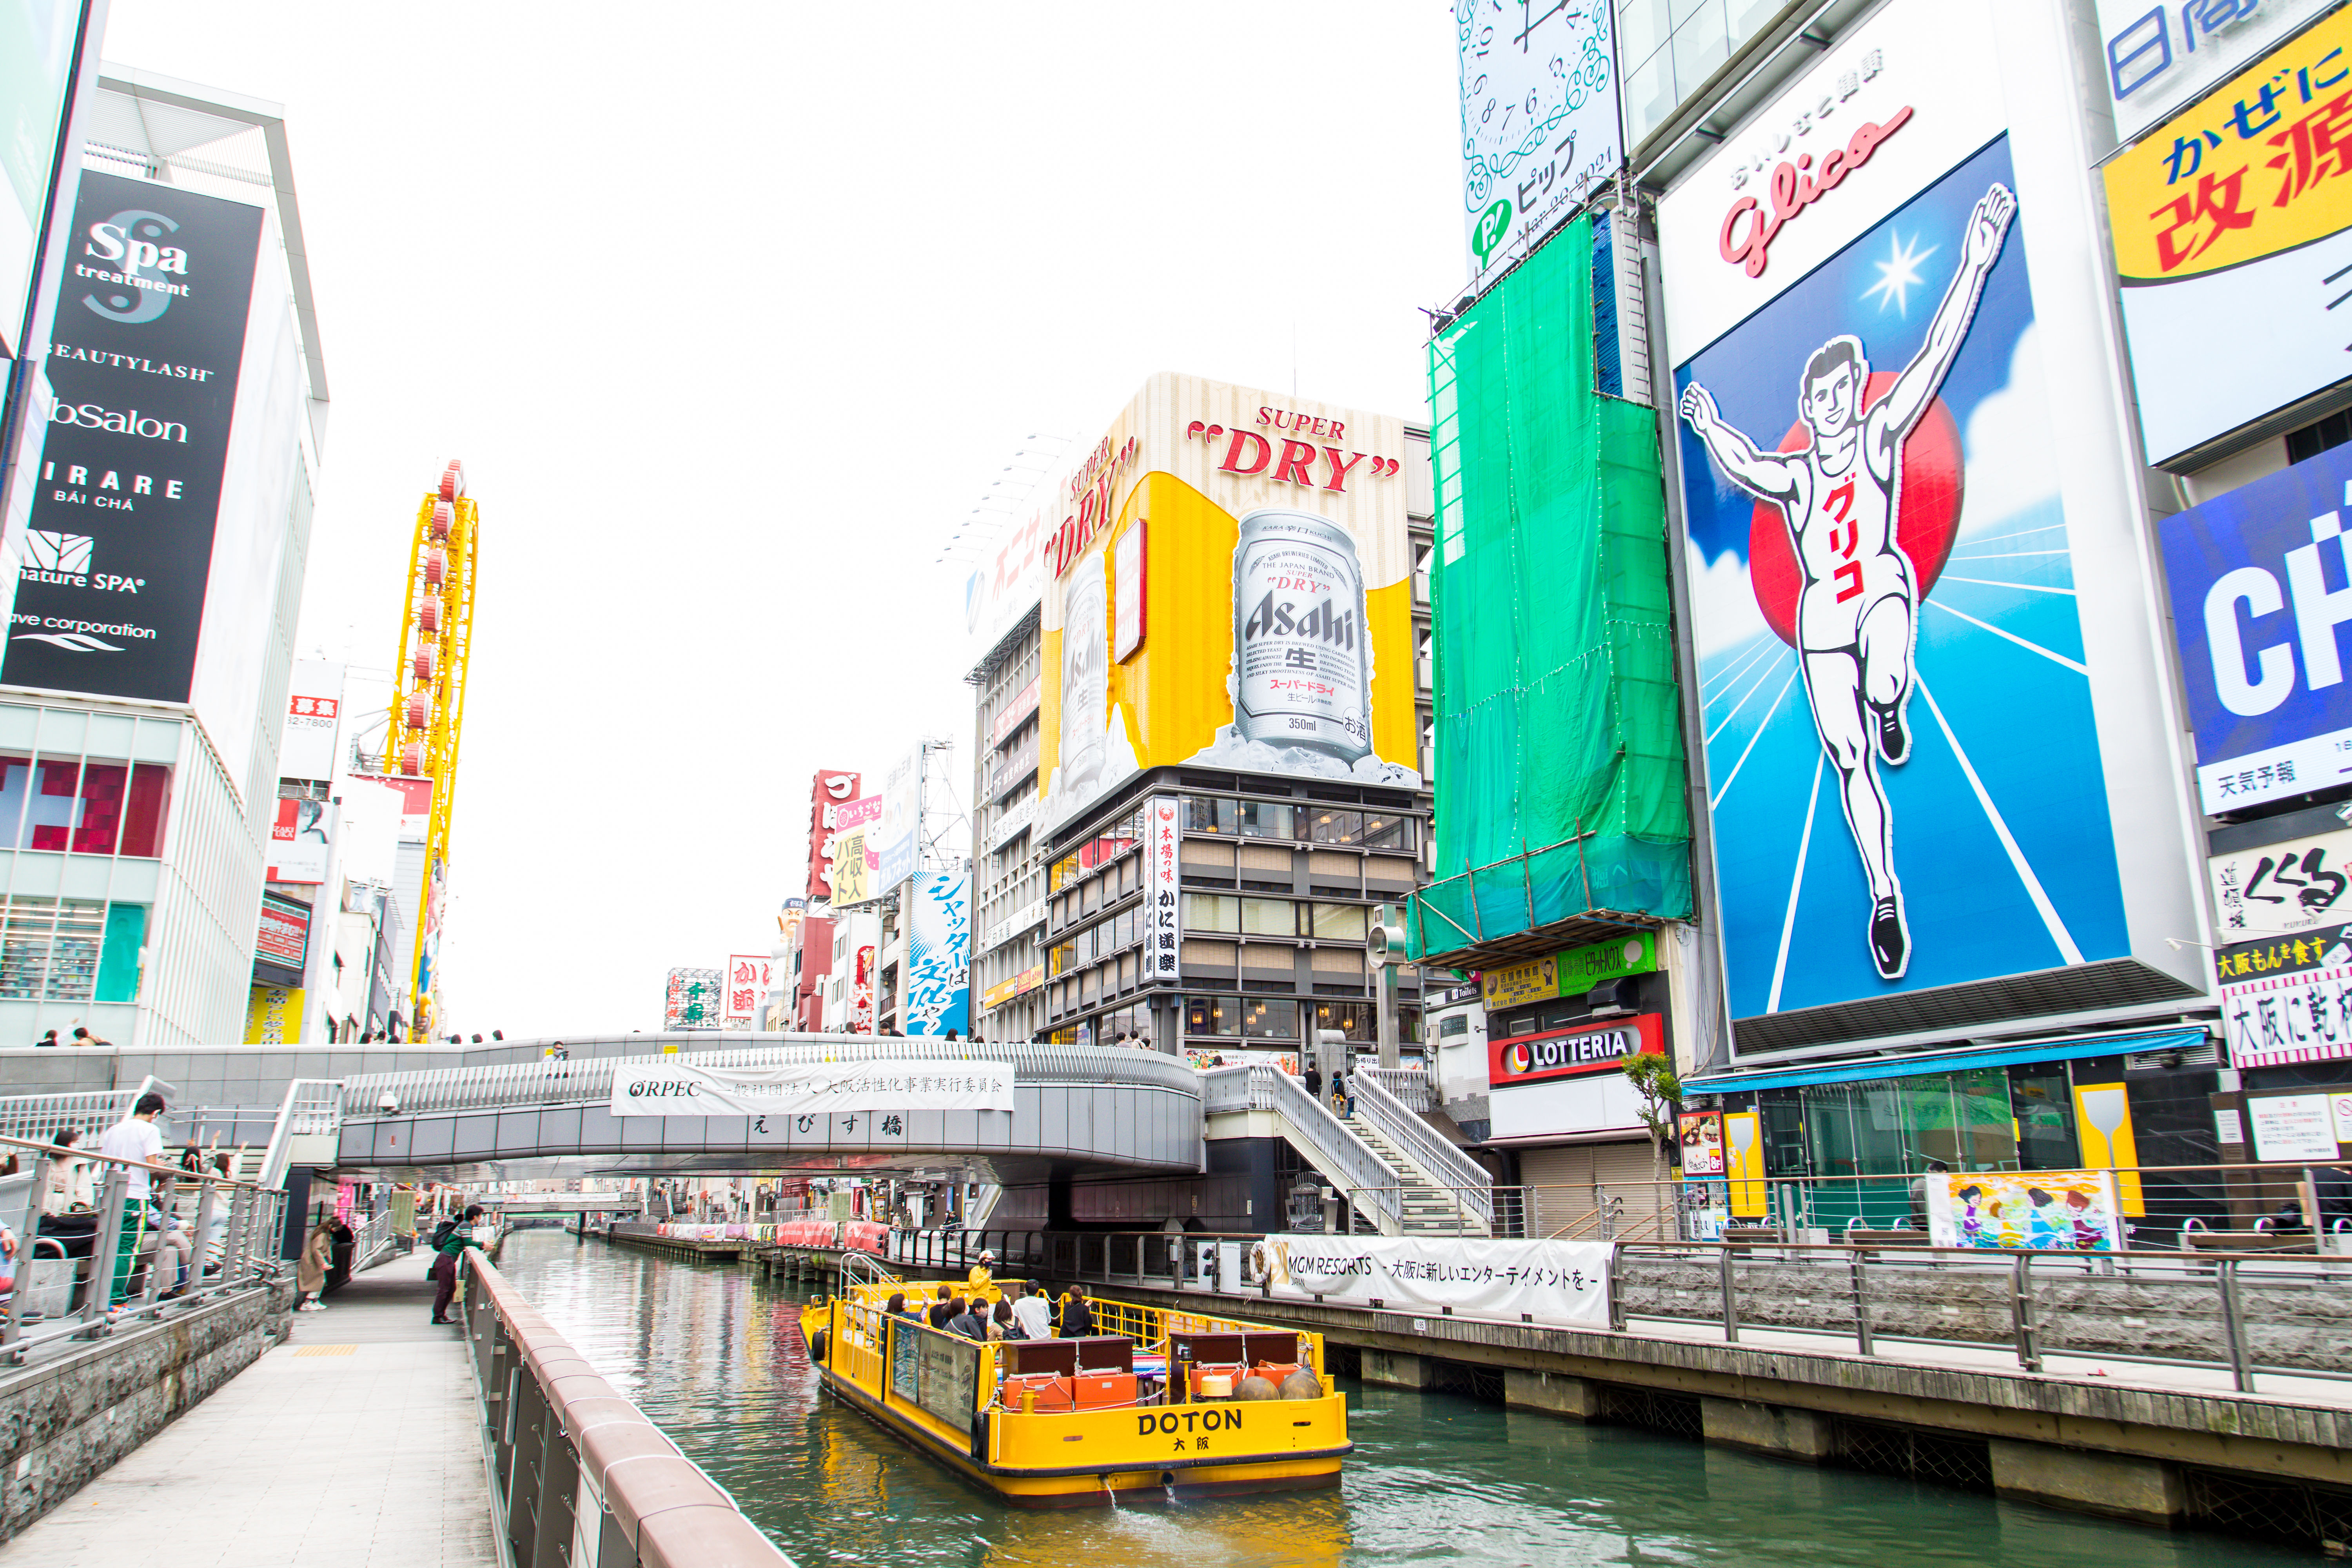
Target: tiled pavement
357, 1445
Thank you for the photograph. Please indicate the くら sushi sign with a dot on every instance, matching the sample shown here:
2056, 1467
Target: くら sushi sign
1565, 1053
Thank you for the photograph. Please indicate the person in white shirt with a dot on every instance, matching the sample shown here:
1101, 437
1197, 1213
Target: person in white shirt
1036, 1315
134, 1138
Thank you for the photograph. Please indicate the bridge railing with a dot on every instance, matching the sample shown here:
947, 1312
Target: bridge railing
583, 1476
42, 1117
573, 1082
1466, 1182
1347, 1160
88, 1257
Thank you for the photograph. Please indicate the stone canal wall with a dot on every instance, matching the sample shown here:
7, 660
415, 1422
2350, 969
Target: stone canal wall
65, 1418
2288, 1323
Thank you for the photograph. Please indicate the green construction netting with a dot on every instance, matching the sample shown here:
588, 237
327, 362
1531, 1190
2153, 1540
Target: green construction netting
1559, 763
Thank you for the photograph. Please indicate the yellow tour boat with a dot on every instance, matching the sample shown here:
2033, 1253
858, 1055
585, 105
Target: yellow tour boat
1153, 1403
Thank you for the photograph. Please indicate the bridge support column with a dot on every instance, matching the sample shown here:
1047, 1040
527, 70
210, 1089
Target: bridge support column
1396, 1368
1555, 1393
2146, 1491
1780, 1430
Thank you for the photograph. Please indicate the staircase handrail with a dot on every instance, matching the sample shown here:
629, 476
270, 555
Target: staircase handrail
312, 1105
1342, 1156
1409, 1085
1440, 1161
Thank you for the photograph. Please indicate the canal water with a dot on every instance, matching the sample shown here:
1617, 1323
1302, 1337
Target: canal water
715, 1357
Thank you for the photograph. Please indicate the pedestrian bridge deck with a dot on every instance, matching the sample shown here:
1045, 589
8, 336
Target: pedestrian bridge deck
356, 1445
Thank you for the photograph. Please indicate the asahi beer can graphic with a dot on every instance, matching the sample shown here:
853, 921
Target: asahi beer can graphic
1085, 676
1302, 663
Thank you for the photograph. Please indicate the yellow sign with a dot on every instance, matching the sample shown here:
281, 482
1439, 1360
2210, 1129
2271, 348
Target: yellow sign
273, 1016
851, 884
1743, 1164
1534, 981
1028, 979
2258, 166
2103, 1125
1229, 583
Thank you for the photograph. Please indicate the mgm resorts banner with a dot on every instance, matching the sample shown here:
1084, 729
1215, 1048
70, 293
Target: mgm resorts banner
675, 1090
1559, 1283
148, 337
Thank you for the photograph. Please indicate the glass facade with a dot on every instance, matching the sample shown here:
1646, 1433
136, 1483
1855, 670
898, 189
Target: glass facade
1666, 50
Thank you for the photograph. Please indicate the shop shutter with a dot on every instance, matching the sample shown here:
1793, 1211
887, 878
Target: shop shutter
1562, 1177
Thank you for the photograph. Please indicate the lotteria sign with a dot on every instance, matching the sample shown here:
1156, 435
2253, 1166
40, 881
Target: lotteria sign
1565, 1053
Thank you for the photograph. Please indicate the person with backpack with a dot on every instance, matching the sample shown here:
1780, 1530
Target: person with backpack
449, 1244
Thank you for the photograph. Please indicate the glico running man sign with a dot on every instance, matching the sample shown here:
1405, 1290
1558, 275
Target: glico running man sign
150, 331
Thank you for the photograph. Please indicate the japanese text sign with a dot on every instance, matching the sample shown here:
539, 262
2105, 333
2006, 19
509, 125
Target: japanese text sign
1164, 841
2282, 889
2288, 999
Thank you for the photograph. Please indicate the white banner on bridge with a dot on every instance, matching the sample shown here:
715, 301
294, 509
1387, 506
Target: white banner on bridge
1562, 1282
675, 1090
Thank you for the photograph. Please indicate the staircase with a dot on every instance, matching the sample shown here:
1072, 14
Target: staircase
1426, 1208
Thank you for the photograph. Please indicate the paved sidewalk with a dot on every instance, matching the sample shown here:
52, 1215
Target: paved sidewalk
355, 1446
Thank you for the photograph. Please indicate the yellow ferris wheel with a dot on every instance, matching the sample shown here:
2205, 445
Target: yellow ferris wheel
428, 706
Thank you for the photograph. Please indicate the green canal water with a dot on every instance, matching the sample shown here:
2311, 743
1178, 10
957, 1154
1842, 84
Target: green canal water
716, 1358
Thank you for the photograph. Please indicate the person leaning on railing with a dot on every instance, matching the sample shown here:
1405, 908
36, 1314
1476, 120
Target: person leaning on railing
448, 1256
135, 1140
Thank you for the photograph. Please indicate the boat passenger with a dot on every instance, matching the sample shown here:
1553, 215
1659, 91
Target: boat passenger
897, 1306
1078, 1318
981, 1283
941, 1311
1001, 1324
967, 1322
1034, 1313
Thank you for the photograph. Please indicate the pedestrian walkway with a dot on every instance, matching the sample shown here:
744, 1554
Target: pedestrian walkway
357, 1445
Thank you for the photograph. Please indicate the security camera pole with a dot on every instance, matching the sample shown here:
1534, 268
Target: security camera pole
1386, 947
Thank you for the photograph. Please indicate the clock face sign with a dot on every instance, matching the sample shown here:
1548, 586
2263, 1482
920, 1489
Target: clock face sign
1539, 123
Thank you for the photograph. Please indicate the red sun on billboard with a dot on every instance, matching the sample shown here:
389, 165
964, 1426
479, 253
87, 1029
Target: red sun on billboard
1926, 517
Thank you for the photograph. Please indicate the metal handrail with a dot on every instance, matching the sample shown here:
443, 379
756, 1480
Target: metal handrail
584, 1082
1465, 1181
312, 1106
1411, 1086
42, 1116
1350, 1161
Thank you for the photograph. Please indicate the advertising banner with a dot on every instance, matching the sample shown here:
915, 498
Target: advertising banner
939, 955
1538, 87
1163, 925
1276, 632
2232, 230
750, 977
669, 1089
300, 841
1922, 767
853, 830
1593, 1047
826, 796
2288, 999
1701, 1136
283, 939
2282, 889
2046, 1210
2256, 618
273, 1016
145, 356
1518, 984
1563, 1283
1005, 991
861, 990
895, 834
690, 1000
2155, 57
313, 716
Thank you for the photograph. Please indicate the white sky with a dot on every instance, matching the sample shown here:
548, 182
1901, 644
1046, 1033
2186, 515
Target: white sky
732, 312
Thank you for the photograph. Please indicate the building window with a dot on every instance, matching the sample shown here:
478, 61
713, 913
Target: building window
1207, 814
1263, 819
1268, 917
2312, 439
1127, 928
1212, 911
1269, 1019
1212, 1016
1338, 922
1385, 830
1329, 826
1355, 1020
50, 948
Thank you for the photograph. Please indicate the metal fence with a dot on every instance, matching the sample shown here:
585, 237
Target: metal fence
582, 1476
88, 1257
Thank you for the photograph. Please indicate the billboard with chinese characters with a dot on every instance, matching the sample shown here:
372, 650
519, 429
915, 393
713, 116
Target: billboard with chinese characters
832, 788
2282, 889
313, 720
2154, 56
1163, 851
853, 879
2232, 234
300, 841
283, 939
691, 999
2255, 613
939, 955
1273, 629
1930, 689
748, 980
273, 1016
2287, 999
1537, 89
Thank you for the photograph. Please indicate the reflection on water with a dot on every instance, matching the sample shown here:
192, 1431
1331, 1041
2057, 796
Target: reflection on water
716, 1358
